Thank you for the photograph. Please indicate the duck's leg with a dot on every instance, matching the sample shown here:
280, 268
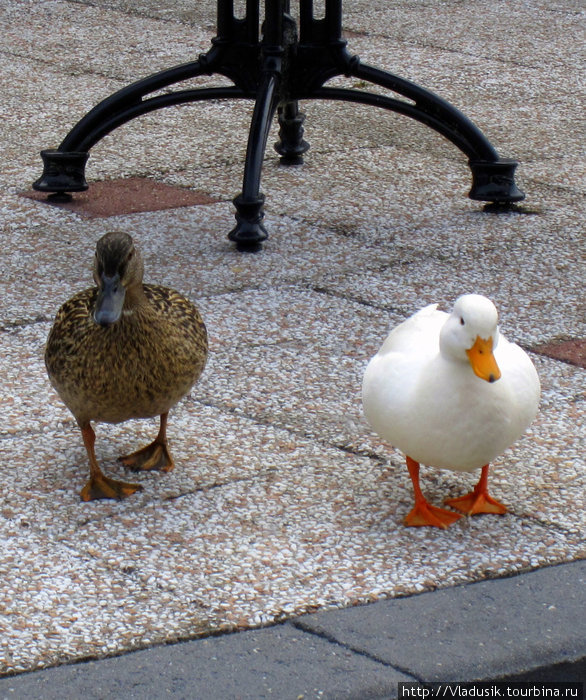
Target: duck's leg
478, 500
423, 513
100, 486
153, 457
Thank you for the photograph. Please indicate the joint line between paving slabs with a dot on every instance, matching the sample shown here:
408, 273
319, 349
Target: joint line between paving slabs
298, 433
299, 624
70, 70
9, 326
319, 289
549, 525
220, 484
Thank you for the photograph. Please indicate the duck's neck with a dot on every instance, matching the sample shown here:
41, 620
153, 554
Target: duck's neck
135, 298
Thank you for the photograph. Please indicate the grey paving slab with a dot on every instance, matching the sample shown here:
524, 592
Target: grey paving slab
278, 662
202, 261
78, 28
540, 311
470, 29
255, 525
482, 631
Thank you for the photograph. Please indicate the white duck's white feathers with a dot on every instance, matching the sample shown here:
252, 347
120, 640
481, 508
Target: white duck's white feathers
421, 394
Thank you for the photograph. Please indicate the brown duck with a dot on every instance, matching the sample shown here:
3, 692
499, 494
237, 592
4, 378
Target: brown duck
124, 350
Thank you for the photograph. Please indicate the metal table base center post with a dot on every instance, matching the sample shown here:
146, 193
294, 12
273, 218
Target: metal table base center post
286, 62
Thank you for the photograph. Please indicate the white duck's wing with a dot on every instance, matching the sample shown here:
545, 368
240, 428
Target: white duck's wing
521, 378
418, 334
394, 373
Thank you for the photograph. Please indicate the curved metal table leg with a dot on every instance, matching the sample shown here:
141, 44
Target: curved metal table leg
64, 167
493, 177
249, 231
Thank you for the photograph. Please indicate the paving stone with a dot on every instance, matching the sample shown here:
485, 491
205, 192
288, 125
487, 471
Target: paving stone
279, 662
435, 636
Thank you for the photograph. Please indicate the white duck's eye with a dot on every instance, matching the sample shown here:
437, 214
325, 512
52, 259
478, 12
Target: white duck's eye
462, 322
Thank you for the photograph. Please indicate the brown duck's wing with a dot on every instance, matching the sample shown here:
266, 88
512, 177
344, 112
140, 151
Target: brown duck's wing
181, 312
72, 324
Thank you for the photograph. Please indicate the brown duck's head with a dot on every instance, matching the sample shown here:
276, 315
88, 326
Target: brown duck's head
118, 268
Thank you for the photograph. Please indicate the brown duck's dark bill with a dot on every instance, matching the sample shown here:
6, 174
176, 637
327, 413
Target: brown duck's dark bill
110, 300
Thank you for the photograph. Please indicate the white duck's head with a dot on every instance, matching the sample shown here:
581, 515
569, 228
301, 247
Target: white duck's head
471, 334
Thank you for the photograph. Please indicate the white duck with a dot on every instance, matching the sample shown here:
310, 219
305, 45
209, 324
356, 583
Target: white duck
450, 392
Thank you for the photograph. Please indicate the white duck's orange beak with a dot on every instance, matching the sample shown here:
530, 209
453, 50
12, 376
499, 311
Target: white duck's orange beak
482, 360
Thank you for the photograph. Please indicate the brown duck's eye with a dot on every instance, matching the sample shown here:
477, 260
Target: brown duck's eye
462, 322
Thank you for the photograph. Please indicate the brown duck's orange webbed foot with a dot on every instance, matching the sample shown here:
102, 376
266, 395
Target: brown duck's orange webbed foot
101, 486
478, 500
153, 457
423, 513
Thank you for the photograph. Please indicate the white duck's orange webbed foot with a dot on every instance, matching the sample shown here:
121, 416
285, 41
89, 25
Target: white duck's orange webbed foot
476, 502
153, 457
479, 500
423, 513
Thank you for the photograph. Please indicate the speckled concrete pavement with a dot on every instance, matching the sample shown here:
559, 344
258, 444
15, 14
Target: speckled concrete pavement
283, 502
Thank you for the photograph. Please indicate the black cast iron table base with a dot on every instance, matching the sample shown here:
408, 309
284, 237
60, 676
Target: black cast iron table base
284, 63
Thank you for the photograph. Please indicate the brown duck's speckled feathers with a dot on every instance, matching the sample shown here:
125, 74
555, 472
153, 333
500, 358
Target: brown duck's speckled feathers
138, 367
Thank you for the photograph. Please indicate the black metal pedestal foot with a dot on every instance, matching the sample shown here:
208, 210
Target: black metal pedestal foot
63, 171
495, 182
291, 145
249, 232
